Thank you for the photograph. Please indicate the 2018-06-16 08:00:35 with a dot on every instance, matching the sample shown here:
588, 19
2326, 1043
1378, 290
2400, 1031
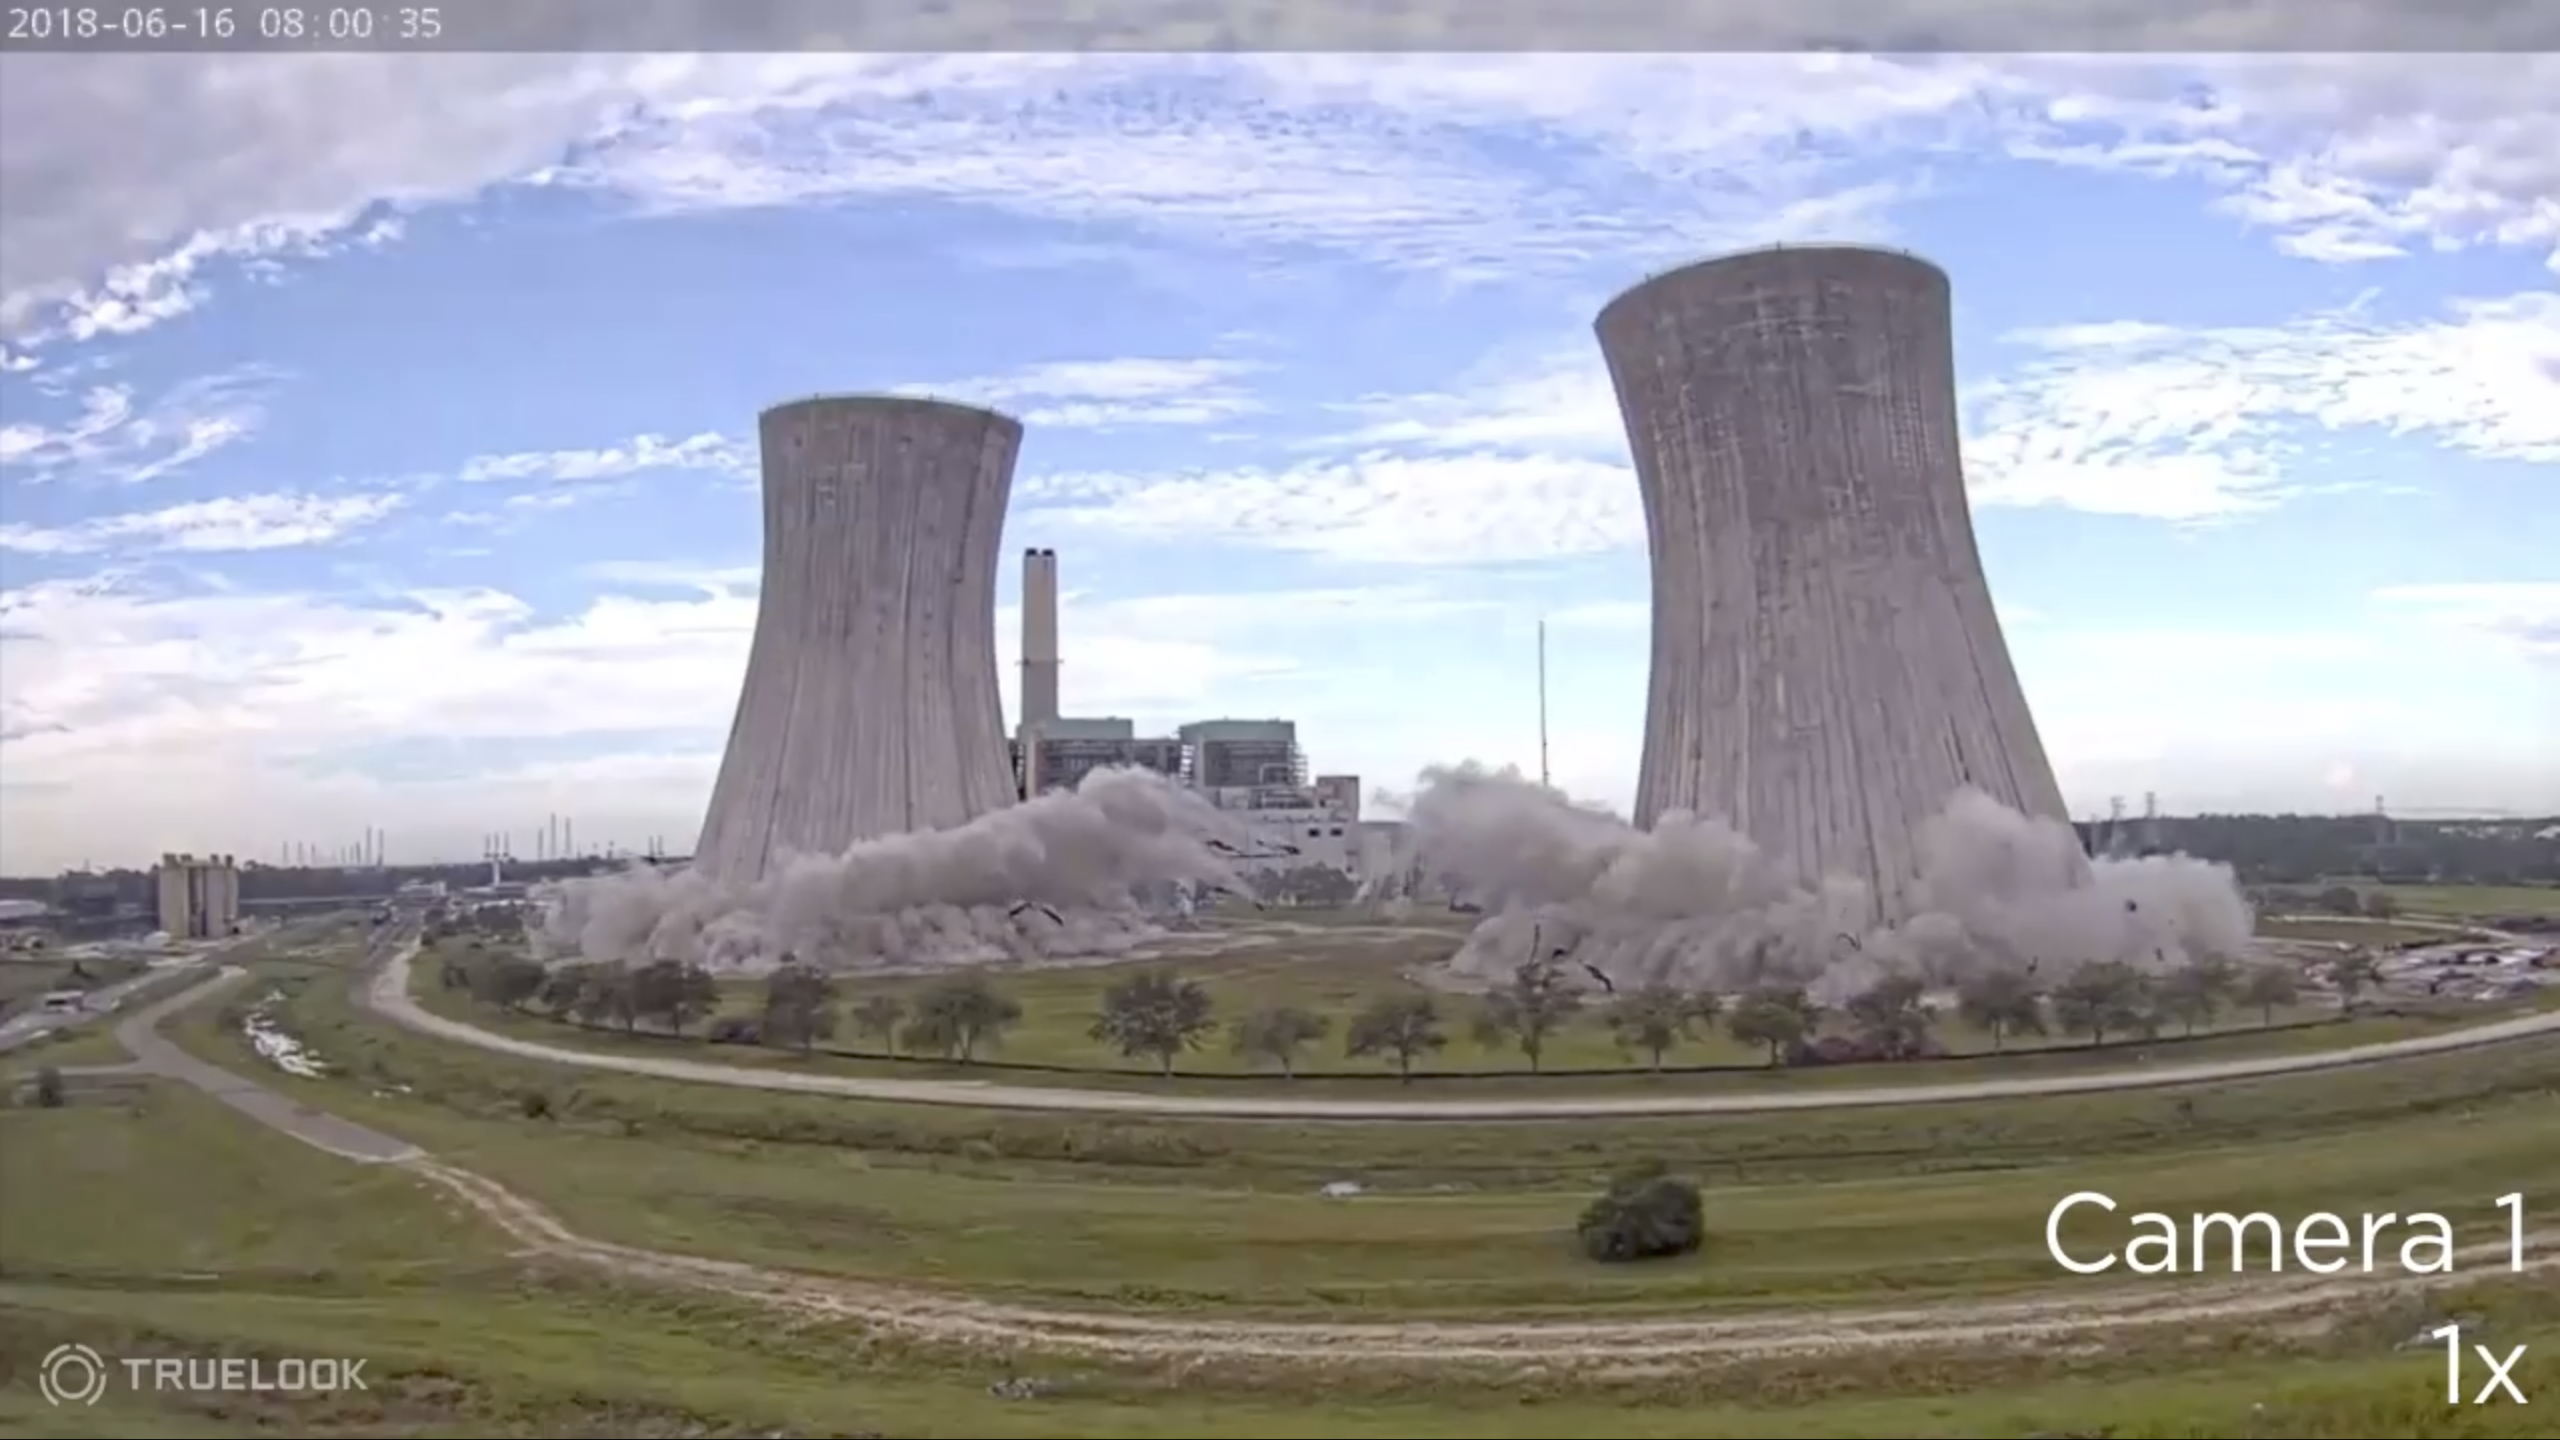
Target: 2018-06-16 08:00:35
154, 26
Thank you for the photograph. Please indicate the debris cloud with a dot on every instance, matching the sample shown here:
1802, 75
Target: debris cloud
1695, 904
1055, 877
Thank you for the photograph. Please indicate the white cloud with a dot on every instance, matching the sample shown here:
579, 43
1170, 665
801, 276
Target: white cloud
2524, 614
133, 716
1105, 394
711, 452
112, 440
1379, 507
1409, 161
232, 523
2141, 419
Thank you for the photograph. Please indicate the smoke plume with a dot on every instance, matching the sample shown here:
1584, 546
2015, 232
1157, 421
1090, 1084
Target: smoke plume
1694, 904
1057, 876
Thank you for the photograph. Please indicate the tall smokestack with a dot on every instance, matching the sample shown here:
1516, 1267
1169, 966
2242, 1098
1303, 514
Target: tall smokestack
1039, 637
569, 836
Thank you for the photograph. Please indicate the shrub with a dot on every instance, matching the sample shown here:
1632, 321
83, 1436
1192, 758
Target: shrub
736, 1030
49, 1087
1645, 1214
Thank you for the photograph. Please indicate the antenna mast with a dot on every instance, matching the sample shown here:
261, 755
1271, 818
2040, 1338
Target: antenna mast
1542, 702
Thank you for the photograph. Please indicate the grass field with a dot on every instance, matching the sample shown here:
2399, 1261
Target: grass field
2472, 901
1460, 1219
1335, 979
159, 1223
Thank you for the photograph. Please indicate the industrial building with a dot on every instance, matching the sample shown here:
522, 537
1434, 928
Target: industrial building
199, 898
870, 704
1242, 755
1827, 669
1058, 753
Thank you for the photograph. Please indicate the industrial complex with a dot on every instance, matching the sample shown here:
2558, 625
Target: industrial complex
1827, 669
1827, 666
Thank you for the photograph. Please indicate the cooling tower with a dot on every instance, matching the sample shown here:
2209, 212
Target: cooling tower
870, 702
1827, 669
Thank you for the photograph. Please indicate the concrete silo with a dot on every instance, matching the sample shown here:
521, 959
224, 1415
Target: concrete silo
1827, 668
870, 703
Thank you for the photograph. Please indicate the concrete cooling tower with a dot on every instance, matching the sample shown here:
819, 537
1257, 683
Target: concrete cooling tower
1827, 669
870, 704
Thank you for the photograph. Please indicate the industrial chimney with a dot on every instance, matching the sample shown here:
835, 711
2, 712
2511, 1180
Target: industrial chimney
1039, 637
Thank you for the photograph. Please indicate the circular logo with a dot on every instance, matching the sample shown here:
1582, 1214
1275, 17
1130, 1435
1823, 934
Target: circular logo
72, 1375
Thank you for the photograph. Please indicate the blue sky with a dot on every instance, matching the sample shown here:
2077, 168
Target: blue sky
375, 433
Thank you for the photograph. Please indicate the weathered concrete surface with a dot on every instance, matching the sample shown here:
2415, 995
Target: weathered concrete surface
870, 704
387, 995
1827, 668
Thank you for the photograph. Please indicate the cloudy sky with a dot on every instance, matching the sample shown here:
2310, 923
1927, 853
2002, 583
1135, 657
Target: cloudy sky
375, 431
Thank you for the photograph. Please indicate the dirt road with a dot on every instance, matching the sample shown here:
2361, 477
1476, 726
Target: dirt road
2066, 1314
387, 995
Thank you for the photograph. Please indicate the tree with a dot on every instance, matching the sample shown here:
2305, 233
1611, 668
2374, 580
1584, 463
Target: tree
2109, 996
561, 987
605, 996
1889, 1017
1775, 1018
1154, 1013
877, 1017
2354, 972
673, 993
2268, 988
1657, 1018
799, 1007
953, 1018
1399, 1027
2191, 995
1277, 1034
1525, 1012
506, 981
1645, 1214
2001, 1002
49, 1091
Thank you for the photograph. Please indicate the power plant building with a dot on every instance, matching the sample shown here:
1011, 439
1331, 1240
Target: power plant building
1242, 754
1058, 754
199, 897
1827, 669
870, 705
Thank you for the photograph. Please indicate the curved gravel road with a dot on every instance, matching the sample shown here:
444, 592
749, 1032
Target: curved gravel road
2068, 1315
387, 995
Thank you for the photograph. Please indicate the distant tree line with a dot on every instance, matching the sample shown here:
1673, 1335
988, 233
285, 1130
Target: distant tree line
2301, 850
1158, 1015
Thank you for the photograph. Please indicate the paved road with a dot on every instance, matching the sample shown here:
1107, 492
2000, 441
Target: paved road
387, 995
34, 1025
154, 1054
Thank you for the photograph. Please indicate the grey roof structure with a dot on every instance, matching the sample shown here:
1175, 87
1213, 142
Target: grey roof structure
870, 704
1827, 669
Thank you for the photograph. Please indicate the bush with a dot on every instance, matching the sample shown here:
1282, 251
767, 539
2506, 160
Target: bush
1645, 1214
49, 1094
736, 1030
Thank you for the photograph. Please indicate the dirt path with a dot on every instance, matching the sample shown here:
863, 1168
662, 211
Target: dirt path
386, 994
2061, 1315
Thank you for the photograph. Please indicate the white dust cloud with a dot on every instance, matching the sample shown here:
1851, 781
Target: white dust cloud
1095, 874
1052, 878
1692, 903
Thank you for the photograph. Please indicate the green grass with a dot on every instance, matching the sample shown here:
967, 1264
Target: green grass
2474, 901
172, 1227
1059, 1005
92, 1044
2347, 932
25, 976
1814, 1208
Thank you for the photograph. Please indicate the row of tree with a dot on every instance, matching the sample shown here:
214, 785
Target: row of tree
1160, 1016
